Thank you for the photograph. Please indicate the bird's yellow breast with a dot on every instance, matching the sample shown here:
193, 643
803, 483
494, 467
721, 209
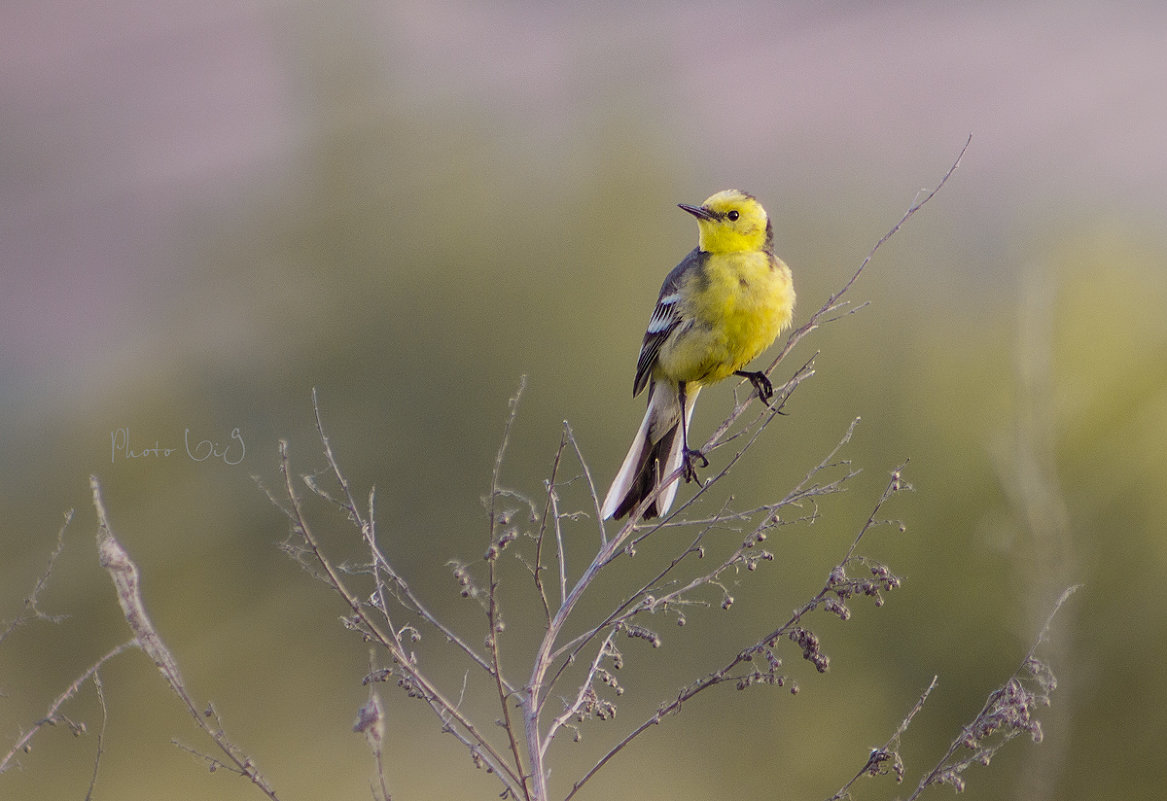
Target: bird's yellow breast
733, 308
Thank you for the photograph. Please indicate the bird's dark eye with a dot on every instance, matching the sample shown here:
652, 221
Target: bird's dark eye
733, 215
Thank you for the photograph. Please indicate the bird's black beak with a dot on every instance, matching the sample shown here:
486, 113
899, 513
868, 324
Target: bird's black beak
700, 212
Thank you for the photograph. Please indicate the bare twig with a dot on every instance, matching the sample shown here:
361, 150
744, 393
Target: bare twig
124, 573
454, 721
878, 759
493, 613
652, 595
838, 588
1008, 712
396, 583
31, 602
53, 716
551, 513
583, 463
100, 690
833, 302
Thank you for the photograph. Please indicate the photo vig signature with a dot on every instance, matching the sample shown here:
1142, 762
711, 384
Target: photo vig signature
230, 451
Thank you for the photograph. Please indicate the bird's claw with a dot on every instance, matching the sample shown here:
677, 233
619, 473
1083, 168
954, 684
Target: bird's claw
689, 470
761, 383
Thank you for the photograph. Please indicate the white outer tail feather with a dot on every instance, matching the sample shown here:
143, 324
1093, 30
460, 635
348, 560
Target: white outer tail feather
662, 414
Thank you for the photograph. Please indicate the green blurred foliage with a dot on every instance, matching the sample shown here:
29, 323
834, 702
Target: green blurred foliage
412, 263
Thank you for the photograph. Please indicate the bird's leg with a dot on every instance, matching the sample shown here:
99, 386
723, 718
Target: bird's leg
761, 383
688, 455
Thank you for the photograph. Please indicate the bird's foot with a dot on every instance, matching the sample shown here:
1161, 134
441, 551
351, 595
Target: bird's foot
688, 458
760, 382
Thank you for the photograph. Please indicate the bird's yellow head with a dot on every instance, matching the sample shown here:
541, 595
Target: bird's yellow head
732, 221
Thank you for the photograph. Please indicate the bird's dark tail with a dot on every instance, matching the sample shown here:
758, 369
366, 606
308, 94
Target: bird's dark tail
655, 454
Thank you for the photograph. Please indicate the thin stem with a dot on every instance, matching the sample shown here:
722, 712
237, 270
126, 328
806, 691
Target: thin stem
493, 613
550, 512
400, 588
726, 672
445, 709
832, 303
124, 573
53, 714
1007, 712
889, 751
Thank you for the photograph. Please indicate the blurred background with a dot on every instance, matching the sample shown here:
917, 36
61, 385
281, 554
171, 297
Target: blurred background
209, 208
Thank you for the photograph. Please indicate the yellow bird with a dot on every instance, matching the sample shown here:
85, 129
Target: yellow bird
718, 309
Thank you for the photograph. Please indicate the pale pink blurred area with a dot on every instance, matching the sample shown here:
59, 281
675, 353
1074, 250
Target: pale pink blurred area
208, 209
123, 123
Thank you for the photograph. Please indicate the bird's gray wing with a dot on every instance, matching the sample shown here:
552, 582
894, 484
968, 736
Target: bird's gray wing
666, 316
